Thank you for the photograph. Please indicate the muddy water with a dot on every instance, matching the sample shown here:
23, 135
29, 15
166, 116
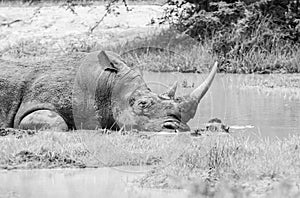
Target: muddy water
246, 110
72, 183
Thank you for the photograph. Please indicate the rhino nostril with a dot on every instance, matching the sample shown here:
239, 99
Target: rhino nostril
169, 126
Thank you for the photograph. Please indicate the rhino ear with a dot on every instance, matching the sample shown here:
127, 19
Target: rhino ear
106, 62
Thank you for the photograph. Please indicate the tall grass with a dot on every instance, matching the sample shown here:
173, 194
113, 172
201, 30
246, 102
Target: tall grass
279, 60
190, 55
158, 52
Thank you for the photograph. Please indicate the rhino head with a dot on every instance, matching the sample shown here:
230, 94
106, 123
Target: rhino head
130, 103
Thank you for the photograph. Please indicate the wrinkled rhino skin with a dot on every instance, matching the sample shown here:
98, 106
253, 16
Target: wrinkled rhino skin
28, 87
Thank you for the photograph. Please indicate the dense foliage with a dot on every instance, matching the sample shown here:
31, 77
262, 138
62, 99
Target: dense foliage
238, 27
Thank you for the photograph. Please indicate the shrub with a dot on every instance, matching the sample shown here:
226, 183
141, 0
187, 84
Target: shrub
237, 27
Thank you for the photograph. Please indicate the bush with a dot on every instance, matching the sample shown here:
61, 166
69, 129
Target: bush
238, 27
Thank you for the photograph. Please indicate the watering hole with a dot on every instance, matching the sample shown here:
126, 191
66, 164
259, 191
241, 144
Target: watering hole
101, 182
244, 109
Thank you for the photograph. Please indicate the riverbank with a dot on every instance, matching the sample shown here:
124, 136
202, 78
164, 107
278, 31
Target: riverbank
207, 166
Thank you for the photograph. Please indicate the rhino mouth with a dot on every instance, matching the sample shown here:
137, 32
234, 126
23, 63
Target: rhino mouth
173, 123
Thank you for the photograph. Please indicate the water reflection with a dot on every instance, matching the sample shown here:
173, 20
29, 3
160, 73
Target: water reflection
270, 114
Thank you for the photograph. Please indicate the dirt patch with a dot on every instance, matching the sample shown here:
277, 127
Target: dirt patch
18, 133
42, 159
47, 31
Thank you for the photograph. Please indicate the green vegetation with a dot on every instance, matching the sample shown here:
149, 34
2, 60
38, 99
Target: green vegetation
207, 165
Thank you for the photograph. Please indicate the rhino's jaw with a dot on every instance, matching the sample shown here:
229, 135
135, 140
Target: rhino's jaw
173, 123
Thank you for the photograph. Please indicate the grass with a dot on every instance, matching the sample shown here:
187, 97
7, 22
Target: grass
91, 148
207, 165
159, 52
233, 164
182, 53
264, 62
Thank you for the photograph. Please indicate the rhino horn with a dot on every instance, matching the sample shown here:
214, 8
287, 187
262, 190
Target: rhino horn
200, 91
172, 90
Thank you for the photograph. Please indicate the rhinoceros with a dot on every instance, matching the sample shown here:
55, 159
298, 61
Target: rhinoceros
97, 89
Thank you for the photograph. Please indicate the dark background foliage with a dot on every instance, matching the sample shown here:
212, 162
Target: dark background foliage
236, 27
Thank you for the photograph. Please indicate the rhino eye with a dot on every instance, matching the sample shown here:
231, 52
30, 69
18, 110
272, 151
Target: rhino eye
131, 101
144, 103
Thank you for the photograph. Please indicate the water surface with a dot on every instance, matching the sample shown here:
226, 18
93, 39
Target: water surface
270, 115
73, 183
